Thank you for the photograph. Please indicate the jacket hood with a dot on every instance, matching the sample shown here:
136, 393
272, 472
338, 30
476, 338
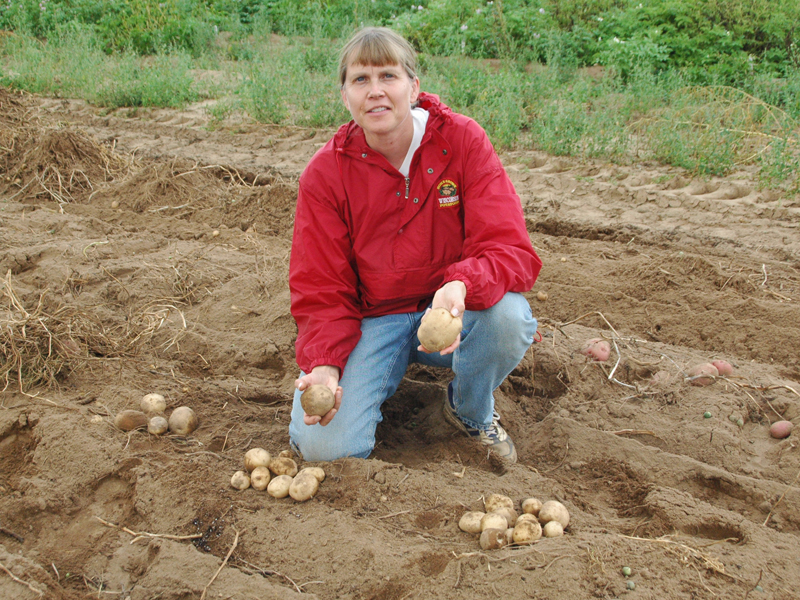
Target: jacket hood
438, 111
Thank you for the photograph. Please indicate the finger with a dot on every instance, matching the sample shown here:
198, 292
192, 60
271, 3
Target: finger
422, 348
452, 347
328, 417
311, 419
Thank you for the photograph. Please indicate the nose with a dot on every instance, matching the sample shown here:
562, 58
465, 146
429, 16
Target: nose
375, 90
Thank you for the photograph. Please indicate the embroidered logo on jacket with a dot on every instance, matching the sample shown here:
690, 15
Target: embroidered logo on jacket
448, 193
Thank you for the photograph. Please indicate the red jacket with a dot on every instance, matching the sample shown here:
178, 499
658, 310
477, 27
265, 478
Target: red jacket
369, 242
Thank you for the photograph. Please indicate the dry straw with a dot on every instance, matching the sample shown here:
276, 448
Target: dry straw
41, 342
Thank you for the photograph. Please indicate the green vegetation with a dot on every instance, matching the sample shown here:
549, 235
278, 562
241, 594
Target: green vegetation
708, 85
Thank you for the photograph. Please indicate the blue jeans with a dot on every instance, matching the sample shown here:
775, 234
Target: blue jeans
493, 342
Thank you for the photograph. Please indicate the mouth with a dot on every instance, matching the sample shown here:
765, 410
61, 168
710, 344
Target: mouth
379, 109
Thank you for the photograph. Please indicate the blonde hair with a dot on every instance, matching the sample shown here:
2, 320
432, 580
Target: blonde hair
377, 46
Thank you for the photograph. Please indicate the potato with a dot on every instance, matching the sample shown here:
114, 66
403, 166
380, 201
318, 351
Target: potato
317, 400
525, 517
552, 529
509, 513
182, 421
303, 487
316, 472
597, 349
494, 520
527, 532
531, 506
495, 501
661, 378
259, 478
702, 375
240, 480
153, 404
128, 420
279, 486
553, 510
157, 425
438, 329
256, 457
471, 521
509, 536
781, 429
283, 465
493, 539
723, 367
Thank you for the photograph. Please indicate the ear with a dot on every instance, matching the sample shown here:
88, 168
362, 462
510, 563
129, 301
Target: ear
344, 98
415, 90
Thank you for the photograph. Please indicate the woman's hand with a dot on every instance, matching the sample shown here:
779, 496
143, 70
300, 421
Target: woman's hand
451, 296
328, 376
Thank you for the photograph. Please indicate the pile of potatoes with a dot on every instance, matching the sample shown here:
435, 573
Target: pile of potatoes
279, 475
500, 525
182, 421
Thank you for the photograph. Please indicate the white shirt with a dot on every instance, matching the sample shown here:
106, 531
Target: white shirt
419, 116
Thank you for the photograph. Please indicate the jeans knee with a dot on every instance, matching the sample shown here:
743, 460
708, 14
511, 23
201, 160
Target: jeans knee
513, 320
315, 446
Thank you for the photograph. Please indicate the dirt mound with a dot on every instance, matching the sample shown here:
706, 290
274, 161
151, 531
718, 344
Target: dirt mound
148, 254
59, 165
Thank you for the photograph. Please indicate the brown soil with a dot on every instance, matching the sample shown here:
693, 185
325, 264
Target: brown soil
144, 251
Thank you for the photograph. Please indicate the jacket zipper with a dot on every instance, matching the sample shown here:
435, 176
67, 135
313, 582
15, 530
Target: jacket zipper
408, 183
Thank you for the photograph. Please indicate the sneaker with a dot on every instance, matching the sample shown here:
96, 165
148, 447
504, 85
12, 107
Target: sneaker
495, 437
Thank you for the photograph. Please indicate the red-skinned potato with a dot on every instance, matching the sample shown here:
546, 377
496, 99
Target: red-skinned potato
781, 429
702, 375
597, 349
723, 367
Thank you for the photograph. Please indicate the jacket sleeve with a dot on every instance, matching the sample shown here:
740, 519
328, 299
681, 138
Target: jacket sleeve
498, 256
323, 283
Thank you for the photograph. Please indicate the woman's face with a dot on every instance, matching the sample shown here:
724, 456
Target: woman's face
379, 99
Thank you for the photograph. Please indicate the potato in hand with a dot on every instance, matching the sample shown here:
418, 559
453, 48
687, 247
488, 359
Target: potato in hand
317, 400
438, 329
